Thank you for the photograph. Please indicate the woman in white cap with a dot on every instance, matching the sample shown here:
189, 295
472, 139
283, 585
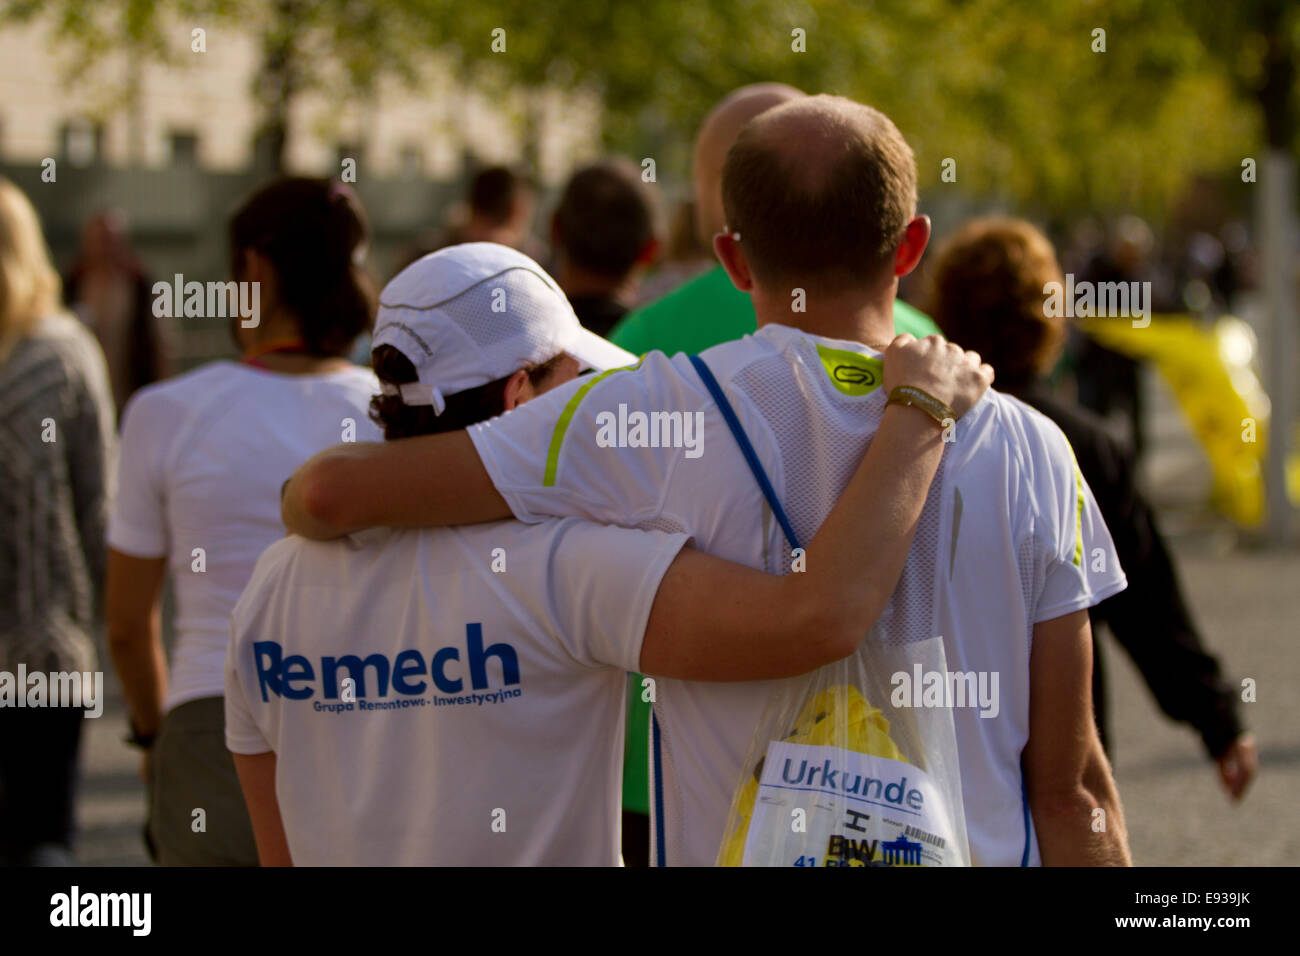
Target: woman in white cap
462, 690
202, 459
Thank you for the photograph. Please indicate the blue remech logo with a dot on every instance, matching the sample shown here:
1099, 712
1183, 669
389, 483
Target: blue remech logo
294, 677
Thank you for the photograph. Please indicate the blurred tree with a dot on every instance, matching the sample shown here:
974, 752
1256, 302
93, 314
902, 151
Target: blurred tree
1020, 95
1015, 93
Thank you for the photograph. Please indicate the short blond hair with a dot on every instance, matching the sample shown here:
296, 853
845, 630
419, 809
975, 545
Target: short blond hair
29, 285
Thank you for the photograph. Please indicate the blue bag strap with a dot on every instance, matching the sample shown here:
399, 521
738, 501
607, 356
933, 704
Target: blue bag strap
746, 448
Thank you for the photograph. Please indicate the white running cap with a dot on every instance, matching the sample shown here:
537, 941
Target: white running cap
472, 313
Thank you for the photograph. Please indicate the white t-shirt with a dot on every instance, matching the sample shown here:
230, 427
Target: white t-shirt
202, 459
1010, 535
489, 665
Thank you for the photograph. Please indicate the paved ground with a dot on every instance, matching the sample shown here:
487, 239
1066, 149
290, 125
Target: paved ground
1176, 809
1248, 604
1177, 812
110, 811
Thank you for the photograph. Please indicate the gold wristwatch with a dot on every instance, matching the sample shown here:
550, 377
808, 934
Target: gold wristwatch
917, 398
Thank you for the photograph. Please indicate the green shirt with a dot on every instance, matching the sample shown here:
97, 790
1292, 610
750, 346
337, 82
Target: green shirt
705, 311
708, 310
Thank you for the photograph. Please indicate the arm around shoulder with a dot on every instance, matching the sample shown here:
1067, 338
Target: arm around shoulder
429, 481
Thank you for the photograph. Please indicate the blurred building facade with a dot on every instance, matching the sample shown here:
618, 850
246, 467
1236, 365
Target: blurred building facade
174, 148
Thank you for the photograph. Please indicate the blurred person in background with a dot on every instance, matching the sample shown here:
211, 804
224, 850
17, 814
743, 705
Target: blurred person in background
683, 257
111, 293
709, 309
1109, 382
498, 207
988, 281
56, 434
1237, 273
203, 458
501, 203
604, 233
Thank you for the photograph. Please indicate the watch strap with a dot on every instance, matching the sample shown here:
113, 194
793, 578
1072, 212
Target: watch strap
919, 398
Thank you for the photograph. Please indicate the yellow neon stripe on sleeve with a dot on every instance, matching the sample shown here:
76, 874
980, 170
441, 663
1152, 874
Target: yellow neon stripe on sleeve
566, 416
1078, 520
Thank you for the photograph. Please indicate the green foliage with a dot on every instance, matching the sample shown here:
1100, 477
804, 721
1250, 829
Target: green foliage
1011, 89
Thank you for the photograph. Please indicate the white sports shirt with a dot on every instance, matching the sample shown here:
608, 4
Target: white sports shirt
203, 456
1010, 536
483, 725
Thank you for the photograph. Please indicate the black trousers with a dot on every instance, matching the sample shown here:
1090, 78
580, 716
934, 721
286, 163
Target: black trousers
38, 782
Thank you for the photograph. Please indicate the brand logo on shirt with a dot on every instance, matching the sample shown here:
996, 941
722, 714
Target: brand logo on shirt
407, 673
851, 373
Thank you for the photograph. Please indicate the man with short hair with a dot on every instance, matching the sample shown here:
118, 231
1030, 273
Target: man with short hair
500, 208
703, 311
820, 195
709, 309
462, 689
605, 231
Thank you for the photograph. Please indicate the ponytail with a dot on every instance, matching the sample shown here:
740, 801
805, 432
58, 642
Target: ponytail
313, 233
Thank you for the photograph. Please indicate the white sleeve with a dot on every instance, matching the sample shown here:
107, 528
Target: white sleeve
137, 523
243, 736
601, 586
1082, 568
562, 454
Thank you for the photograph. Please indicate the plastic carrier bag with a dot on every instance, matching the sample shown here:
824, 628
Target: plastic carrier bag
837, 775
842, 769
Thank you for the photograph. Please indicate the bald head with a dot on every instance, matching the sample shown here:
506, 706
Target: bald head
717, 133
820, 190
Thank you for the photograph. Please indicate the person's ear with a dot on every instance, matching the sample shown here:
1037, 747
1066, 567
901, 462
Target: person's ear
915, 238
726, 246
519, 389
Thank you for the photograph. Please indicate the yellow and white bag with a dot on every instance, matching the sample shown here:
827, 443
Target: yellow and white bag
837, 775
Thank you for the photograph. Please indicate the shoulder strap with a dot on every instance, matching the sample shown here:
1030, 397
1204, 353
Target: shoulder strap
746, 448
